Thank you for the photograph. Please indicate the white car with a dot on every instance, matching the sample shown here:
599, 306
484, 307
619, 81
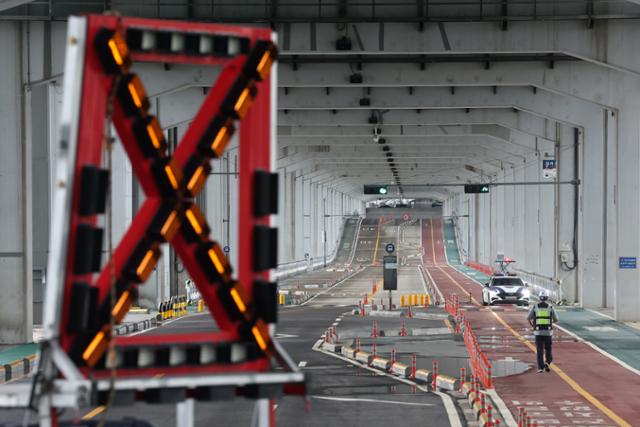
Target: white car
505, 290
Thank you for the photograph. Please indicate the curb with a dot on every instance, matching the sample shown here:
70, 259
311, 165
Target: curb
18, 368
473, 399
140, 326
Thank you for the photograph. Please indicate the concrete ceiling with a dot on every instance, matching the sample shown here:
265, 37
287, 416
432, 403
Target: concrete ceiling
456, 90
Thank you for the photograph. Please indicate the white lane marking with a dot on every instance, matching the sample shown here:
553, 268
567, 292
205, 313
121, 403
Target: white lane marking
435, 285
355, 399
600, 314
507, 416
334, 324
302, 364
454, 419
328, 289
338, 319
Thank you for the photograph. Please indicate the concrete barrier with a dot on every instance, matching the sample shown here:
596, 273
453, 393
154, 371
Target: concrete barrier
364, 357
424, 375
381, 313
401, 370
448, 383
348, 352
381, 363
336, 348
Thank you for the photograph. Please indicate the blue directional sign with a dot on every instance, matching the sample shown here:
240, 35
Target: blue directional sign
390, 248
627, 262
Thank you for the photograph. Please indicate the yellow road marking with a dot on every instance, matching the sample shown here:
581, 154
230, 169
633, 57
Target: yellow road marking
375, 251
475, 301
566, 378
584, 393
448, 325
95, 411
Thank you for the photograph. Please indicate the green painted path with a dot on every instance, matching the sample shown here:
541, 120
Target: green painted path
615, 338
18, 352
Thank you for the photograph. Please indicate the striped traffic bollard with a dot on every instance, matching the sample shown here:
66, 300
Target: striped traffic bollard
483, 404
357, 344
374, 332
434, 365
490, 416
403, 330
414, 365
410, 313
521, 415
393, 356
374, 350
489, 376
463, 377
528, 421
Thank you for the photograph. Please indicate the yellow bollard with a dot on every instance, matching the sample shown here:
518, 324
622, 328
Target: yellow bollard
200, 306
422, 300
281, 299
428, 299
184, 305
413, 299
401, 300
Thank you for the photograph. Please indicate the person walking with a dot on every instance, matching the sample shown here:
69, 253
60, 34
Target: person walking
542, 316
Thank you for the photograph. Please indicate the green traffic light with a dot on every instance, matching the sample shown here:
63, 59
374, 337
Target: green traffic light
485, 189
383, 190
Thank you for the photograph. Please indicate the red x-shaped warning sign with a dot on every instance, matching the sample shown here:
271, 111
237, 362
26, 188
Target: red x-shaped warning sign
242, 304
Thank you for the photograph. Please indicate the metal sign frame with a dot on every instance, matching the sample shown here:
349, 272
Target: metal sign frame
99, 86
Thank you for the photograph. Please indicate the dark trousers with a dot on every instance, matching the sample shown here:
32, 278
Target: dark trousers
543, 347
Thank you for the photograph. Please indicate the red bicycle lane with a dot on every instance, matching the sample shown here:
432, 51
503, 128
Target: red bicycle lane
584, 388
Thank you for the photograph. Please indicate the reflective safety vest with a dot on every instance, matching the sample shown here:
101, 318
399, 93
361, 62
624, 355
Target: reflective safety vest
543, 317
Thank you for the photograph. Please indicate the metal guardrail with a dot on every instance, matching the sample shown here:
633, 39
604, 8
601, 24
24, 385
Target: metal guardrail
538, 282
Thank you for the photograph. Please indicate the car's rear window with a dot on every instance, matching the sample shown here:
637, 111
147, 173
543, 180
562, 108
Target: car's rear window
507, 281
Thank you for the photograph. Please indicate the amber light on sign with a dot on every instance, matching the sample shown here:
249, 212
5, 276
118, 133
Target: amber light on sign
196, 220
264, 66
95, 349
171, 225
257, 334
171, 174
197, 180
243, 103
238, 300
146, 265
155, 134
118, 48
217, 259
122, 306
221, 140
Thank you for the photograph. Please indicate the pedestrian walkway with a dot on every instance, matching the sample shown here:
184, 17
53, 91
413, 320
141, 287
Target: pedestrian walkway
10, 354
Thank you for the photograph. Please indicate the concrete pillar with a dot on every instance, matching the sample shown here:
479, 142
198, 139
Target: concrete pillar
15, 186
627, 291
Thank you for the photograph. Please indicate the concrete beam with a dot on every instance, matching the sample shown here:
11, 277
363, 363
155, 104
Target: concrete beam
543, 104
438, 118
600, 45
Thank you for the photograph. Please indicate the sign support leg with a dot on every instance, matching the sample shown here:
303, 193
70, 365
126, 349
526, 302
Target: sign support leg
185, 413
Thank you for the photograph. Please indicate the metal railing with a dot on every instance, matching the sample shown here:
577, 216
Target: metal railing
538, 282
